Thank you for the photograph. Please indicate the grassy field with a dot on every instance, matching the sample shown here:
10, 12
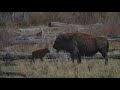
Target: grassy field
50, 68
93, 68
65, 69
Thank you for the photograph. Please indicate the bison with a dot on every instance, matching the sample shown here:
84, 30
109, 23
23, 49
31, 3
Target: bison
39, 54
81, 44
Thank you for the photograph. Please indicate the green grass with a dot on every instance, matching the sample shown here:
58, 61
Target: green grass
66, 69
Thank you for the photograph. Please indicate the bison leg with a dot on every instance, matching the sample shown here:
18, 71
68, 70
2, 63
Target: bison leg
32, 60
106, 59
74, 54
104, 54
72, 57
79, 60
41, 59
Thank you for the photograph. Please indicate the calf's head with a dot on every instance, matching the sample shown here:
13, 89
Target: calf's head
47, 50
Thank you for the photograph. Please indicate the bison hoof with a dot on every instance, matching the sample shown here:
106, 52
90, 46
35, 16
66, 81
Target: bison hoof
106, 62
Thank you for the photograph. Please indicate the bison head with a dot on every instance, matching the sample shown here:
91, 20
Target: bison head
62, 42
47, 50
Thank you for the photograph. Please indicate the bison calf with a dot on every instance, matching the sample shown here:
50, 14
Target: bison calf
39, 54
81, 44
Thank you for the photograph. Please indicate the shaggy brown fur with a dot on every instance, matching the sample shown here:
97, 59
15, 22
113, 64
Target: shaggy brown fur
81, 44
39, 54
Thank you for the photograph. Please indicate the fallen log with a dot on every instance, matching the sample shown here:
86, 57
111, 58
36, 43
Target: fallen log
12, 74
5, 56
114, 39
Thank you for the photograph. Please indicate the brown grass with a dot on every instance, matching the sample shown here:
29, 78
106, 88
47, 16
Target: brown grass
63, 69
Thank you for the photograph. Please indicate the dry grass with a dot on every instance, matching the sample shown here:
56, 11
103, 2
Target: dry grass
66, 69
114, 45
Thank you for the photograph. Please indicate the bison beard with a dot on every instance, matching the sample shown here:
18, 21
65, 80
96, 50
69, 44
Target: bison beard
81, 44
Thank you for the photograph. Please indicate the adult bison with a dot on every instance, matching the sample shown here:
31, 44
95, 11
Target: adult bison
81, 44
39, 54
